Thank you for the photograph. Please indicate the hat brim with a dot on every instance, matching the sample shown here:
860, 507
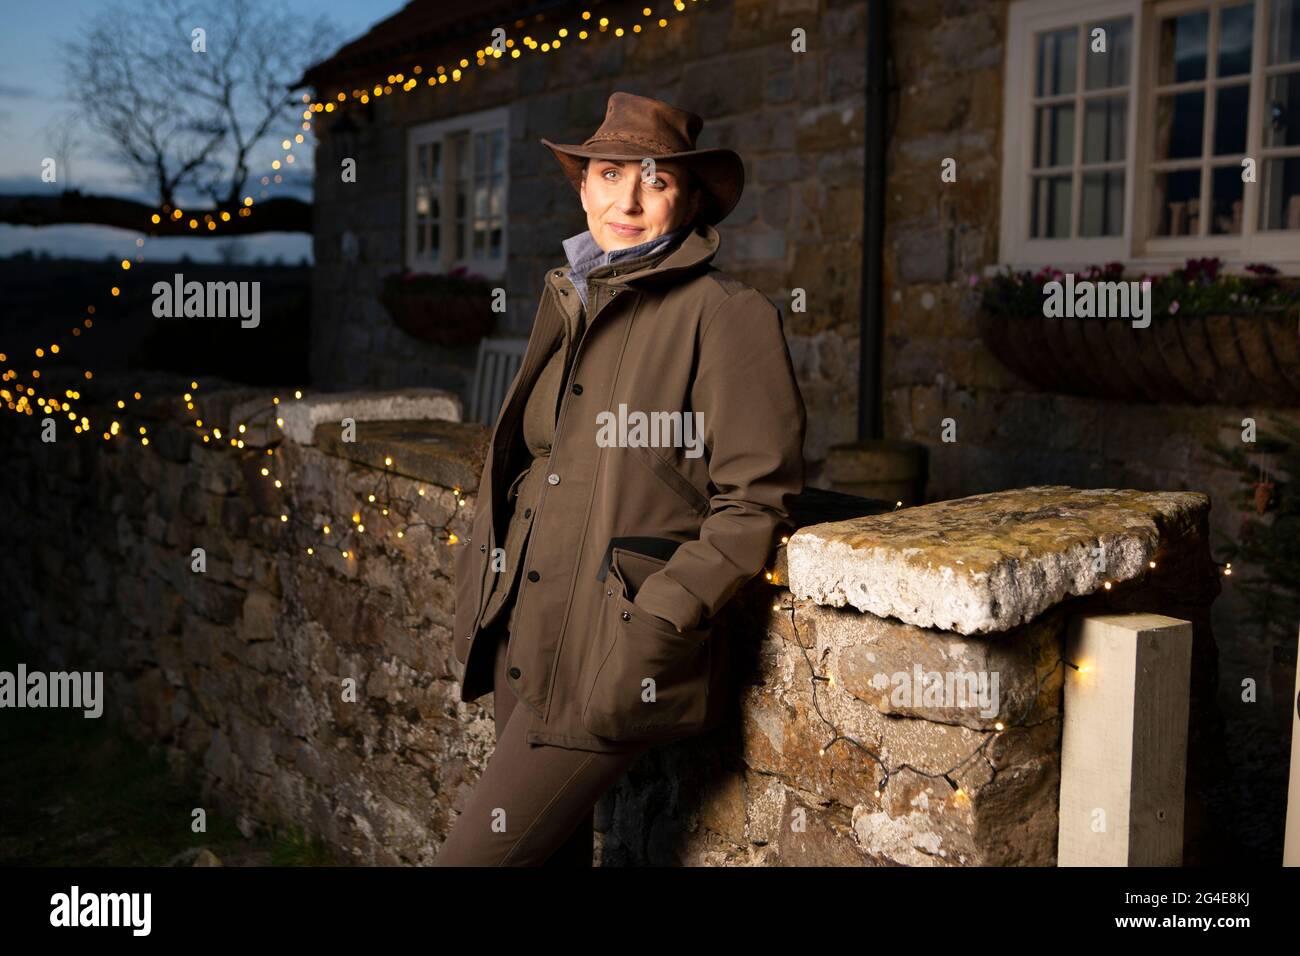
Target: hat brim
720, 171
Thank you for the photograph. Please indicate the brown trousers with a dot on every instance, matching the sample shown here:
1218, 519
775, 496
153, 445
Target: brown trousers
534, 804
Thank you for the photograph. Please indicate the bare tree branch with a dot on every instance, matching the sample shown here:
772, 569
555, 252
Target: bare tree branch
186, 123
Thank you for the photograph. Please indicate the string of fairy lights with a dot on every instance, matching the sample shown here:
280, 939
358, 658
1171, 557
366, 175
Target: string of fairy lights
24, 398
21, 398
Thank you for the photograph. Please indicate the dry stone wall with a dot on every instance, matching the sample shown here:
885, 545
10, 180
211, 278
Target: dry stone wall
320, 689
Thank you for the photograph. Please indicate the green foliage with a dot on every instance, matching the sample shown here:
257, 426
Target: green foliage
1265, 555
1200, 287
293, 847
81, 792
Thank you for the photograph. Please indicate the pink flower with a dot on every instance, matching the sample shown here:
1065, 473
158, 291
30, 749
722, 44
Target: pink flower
974, 280
1173, 307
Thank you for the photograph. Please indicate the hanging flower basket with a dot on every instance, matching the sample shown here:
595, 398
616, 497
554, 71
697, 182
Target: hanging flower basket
451, 311
1213, 338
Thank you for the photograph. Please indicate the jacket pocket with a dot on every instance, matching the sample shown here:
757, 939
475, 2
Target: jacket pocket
674, 479
653, 684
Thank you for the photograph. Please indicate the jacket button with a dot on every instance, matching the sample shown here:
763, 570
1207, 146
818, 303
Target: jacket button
609, 593
576, 389
528, 512
483, 547
533, 576
514, 673
626, 616
559, 272
613, 292
553, 478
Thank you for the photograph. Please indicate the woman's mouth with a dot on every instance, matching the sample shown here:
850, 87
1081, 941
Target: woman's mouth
623, 229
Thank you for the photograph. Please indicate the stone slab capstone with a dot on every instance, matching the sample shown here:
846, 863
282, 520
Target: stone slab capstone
301, 416
988, 562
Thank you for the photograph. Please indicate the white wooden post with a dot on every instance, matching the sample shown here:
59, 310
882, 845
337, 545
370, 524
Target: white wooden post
1124, 741
1291, 848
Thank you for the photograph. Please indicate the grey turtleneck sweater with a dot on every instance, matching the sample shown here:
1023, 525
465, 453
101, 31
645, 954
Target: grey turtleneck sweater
585, 255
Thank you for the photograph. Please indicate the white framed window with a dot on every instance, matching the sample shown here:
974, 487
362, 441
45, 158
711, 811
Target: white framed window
456, 194
1135, 152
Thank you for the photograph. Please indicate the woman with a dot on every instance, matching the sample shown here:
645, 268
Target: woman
637, 508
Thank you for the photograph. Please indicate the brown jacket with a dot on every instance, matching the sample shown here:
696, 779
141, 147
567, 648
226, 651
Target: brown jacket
636, 546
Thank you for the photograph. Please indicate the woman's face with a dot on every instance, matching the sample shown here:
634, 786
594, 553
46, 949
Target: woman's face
623, 211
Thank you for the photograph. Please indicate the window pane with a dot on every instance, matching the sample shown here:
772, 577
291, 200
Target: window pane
1051, 213
422, 160
422, 200
498, 151
1054, 136
435, 163
1109, 69
1281, 194
1225, 200
1236, 28
1104, 122
1230, 113
1176, 201
1103, 204
435, 239
1057, 62
1182, 47
1180, 118
1282, 124
421, 237
1284, 31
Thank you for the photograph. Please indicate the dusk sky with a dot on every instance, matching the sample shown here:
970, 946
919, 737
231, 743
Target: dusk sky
32, 98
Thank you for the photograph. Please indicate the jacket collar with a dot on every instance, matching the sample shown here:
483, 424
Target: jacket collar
697, 249
585, 254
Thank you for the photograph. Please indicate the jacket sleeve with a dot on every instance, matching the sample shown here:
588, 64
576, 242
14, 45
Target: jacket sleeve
754, 425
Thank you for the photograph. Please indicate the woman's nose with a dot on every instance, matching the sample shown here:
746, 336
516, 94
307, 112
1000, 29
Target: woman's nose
630, 200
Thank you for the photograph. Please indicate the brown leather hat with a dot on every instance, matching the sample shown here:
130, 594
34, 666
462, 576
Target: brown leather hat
637, 127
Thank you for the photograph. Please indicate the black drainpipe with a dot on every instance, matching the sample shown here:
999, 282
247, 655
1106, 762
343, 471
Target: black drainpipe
871, 331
